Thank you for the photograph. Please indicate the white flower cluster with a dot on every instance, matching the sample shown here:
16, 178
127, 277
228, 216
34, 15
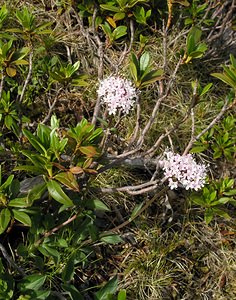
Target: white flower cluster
182, 170
117, 93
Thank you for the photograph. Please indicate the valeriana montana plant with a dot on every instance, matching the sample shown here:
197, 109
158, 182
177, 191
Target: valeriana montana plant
118, 93
183, 170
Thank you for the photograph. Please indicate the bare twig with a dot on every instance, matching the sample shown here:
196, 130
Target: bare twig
189, 146
133, 189
136, 129
157, 105
51, 106
28, 76
55, 229
1, 83
127, 51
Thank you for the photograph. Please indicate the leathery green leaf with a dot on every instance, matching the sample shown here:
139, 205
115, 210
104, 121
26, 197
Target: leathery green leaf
22, 217
58, 194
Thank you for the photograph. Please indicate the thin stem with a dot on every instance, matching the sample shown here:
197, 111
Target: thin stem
189, 146
28, 76
55, 229
1, 83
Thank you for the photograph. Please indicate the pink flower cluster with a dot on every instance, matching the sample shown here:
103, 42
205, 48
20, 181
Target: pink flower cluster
182, 170
117, 93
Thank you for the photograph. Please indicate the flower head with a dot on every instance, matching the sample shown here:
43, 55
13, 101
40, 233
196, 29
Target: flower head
182, 170
117, 93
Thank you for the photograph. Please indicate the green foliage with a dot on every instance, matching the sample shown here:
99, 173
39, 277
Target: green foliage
194, 48
11, 58
141, 71
11, 206
195, 14
66, 75
3, 15
114, 35
106, 292
30, 28
220, 140
141, 16
229, 74
214, 197
53, 218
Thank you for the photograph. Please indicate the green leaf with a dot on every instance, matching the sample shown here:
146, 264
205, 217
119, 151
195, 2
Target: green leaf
119, 16
111, 239
34, 141
135, 61
136, 211
232, 60
69, 269
110, 8
32, 282
198, 200
119, 32
28, 168
121, 295
58, 194
7, 183
208, 216
230, 193
144, 61
222, 200
225, 79
51, 251
133, 71
36, 192
206, 89
89, 151
109, 288
43, 133
151, 77
22, 217
199, 149
73, 292
39, 295
107, 29
97, 204
67, 179
5, 217
19, 202
221, 213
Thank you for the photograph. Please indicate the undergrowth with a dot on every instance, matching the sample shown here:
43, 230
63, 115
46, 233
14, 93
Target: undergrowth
87, 208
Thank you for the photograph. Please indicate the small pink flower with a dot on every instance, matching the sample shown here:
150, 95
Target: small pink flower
183, 171
117, 93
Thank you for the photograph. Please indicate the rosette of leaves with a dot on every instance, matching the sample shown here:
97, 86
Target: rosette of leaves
142, 72
214, 197
29, 25
10, 58
67, 75
194, 47
60, 159
120, 8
